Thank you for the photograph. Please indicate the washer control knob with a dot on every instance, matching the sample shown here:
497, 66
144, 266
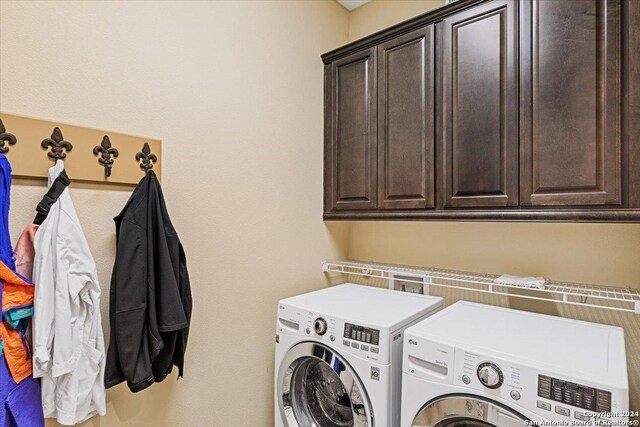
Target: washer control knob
490, 375
320, 326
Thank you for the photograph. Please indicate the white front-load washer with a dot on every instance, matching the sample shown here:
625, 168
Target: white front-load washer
339, 355
475, 365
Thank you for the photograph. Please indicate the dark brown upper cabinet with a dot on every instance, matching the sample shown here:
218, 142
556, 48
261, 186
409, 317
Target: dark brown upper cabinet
479, 114
406, 121
490, 110
351, 136
571, 103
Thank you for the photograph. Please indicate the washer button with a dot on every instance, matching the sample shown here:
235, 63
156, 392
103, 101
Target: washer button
544, 405
308, 331
364, 347
515, 395
332, 337
355, 345
563, 411
466, 379
374, 350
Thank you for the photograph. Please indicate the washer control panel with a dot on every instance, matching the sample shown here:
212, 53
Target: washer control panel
362, 334
370, 343
589, 398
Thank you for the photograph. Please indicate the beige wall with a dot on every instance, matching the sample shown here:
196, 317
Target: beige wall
605, 254
235, 92
380, 14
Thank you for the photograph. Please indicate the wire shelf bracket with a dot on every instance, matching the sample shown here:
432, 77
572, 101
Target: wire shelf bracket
602, 297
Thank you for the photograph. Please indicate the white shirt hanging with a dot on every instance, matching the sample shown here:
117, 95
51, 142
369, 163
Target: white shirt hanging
68, 341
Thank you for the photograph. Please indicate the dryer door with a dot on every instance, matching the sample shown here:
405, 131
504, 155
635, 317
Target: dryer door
317, 388
466, 411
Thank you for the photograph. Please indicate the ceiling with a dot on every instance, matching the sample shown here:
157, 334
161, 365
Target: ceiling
352, 4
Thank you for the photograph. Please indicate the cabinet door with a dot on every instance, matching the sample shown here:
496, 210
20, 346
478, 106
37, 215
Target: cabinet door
406, 121
570, 105
351, 126
478, 134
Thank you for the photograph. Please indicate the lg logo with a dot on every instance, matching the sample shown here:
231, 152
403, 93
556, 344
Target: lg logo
412, 342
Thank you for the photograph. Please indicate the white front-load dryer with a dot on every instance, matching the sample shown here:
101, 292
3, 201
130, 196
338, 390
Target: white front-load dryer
339, 355
475, 365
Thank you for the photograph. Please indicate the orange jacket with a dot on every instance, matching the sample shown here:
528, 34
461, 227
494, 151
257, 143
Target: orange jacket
16, 293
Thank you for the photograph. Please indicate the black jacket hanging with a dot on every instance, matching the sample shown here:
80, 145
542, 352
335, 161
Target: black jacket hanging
150, 297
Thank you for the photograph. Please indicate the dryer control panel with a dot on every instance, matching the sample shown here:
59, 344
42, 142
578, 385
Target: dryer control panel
515, 384
585, 397
536, 389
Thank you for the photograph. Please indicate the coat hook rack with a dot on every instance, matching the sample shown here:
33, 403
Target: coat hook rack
147, 157
6, 137
96, 157
58, 145
107, 153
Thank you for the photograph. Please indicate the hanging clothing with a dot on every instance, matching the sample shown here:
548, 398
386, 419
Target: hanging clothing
68, 344
150, 296
17, 303
6, 250
16, 293
25, 252
20, 404
25, 249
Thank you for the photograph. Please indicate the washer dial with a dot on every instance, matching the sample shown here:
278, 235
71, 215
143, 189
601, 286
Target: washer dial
320, 326
490, 375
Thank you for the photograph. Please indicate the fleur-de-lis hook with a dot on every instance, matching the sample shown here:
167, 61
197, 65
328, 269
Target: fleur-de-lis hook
58, 145
147, 157
107, 154
6, 137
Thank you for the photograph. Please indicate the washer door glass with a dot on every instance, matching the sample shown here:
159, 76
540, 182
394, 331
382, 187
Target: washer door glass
318, 389
466, 411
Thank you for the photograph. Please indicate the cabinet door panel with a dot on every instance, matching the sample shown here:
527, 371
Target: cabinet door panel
351, 112
479, 119
406, 121
570, 105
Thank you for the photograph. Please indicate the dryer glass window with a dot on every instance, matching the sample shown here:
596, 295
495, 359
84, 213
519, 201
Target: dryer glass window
466, 411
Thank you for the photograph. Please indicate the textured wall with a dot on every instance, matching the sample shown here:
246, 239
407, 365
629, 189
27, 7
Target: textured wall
235, 92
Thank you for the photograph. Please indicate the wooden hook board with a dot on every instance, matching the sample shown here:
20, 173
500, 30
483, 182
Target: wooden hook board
29, 159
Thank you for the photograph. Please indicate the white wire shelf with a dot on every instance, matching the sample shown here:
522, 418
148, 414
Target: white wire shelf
618, 299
